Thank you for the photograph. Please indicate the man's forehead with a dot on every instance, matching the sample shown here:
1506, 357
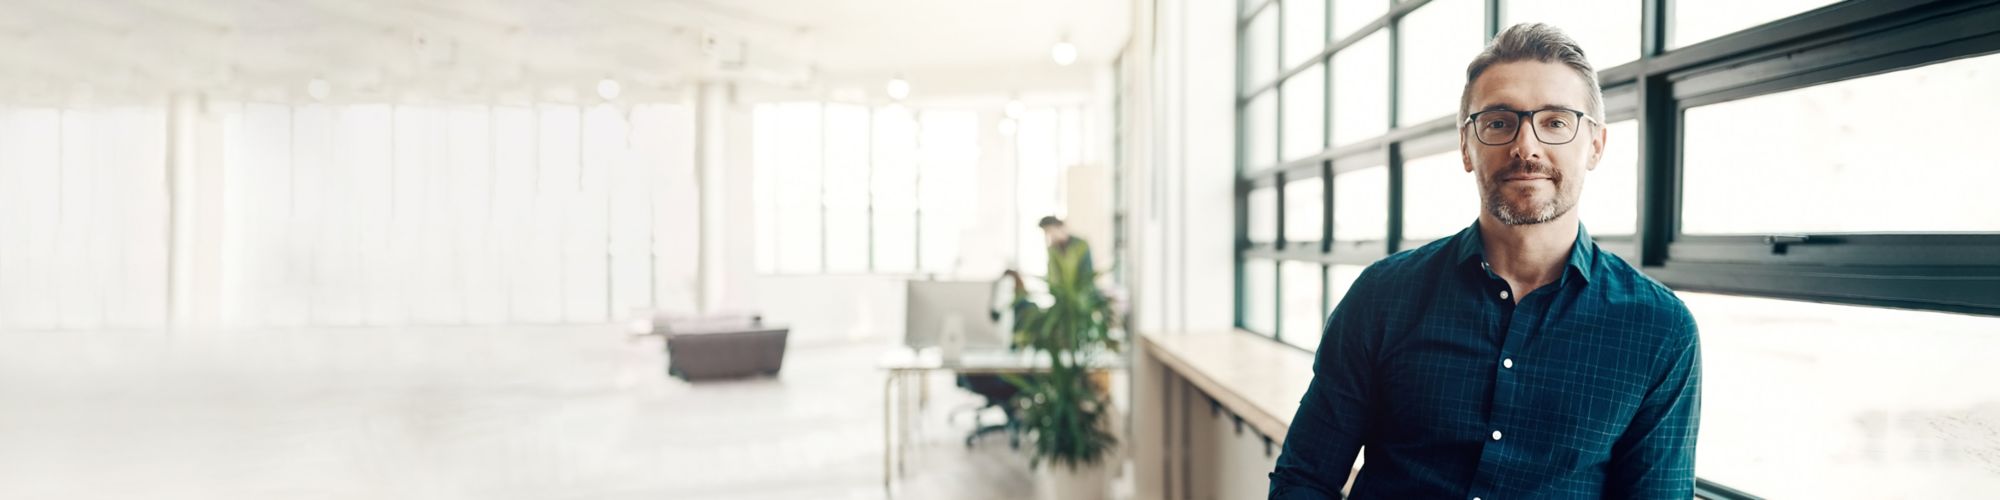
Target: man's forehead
1525, 85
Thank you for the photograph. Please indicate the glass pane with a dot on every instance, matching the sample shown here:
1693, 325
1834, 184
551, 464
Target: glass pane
1305, 289
1698, 20
1305, 30
1361, 90
1439, 39
1361, 204
1805, 400
1305, 113
1260, 307
1900, 152
846, 188
1260, 140
798, 187
1304, 203
1260, 49
1439, 197
1610, 204
1351, 15
1263, 215
1037, 173
1607, 30
895, 189
949, 152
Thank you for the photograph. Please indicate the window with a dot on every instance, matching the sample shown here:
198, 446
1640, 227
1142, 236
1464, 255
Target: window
846, 151
1304, 303
1900, 152
1263, 215
1607, 30
1361, 205
1351, 15
1305, 113
1260, 305
1305, 30
1260, 139
1260, 49
1805, 400
1696, 21
1439, 197
1610, 204
1304, 200
1437, 42
945, 192
844, 188
1361, 90
894, 187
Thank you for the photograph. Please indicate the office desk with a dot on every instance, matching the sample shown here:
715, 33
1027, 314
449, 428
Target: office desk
901, 363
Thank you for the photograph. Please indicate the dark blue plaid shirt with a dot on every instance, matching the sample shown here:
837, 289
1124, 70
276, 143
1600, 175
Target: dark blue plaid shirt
1589, 388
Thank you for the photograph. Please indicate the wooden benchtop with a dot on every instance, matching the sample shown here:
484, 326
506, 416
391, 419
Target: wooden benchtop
1254, 377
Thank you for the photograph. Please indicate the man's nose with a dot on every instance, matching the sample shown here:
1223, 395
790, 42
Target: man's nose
1529, 145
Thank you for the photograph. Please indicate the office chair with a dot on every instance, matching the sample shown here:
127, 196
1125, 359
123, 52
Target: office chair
997, 391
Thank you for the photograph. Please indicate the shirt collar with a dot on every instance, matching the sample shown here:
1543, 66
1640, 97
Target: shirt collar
1470, 250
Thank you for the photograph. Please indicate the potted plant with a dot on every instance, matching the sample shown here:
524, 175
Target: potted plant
1067, 407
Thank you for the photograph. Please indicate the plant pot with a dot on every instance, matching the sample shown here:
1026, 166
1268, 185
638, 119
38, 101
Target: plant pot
1057, 482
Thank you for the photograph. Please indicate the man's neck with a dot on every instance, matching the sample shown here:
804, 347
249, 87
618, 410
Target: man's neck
1528, 256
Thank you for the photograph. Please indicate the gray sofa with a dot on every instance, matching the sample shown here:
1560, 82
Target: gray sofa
719, 347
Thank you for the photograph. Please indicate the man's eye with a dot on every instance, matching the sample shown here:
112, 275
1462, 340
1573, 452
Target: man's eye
1496, 124
1558, 123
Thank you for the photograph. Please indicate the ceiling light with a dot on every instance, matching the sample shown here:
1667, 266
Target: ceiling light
319, 89
898, 88
608, 89
1064, 53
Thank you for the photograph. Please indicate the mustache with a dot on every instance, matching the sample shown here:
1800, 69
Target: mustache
1518, 166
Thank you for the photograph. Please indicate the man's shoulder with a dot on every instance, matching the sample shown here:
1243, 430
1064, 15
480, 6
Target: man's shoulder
1645, 295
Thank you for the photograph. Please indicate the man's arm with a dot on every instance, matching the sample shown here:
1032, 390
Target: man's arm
1333, 416
1655, 456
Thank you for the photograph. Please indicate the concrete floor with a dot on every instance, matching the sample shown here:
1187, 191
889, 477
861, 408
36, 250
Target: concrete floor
486, 413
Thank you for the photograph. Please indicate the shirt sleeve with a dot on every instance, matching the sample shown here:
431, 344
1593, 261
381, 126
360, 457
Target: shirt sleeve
1654, 458
1333, 417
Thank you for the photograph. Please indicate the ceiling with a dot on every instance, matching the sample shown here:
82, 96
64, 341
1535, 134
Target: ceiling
65, 50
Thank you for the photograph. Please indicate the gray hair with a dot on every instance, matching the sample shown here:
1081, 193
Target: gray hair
1533, 42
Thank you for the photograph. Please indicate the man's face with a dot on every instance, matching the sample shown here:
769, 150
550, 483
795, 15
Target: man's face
1054, 235
1528, 181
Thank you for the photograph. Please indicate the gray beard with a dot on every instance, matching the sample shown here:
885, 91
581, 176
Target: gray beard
1553, 209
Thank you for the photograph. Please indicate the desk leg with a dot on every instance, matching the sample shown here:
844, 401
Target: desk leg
888, 435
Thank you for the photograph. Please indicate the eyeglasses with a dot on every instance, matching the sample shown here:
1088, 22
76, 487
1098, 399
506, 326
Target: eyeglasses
1553, 126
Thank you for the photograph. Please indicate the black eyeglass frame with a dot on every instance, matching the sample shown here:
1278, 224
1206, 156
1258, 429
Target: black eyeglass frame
1528, 117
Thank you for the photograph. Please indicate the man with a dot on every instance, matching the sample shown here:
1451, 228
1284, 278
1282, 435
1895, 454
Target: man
1515, 359
1069, 256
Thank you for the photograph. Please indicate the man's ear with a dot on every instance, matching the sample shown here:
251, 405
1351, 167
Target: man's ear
1464, 150
1597, 146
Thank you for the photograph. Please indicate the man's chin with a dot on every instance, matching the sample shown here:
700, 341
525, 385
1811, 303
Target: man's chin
1516, 215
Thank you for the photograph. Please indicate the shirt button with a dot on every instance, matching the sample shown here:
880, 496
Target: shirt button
1507, 363
1503, 295
1496, 435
